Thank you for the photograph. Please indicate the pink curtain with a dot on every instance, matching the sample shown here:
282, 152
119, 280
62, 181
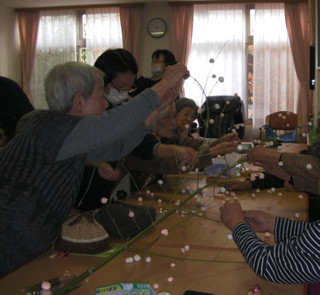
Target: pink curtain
28, 27
130, 25
297, 20
182, 24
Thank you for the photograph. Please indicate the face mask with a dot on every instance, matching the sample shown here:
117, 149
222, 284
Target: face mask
116, 97
156, 69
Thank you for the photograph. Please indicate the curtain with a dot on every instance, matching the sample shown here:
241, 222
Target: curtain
275, 86
103, 31
297, 15
130, 26
28, 27
182, 22
217, 50
56, 44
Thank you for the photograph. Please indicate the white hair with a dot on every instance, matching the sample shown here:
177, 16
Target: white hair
65, 80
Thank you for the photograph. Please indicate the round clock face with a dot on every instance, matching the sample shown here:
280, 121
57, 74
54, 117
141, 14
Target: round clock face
157, 27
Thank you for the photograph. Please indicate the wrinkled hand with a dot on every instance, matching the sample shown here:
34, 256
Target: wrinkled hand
263, 157
187, 154
106, 171
233, 136
171, 81
231, 214
260, 221
223, 148
168, 98
170, 74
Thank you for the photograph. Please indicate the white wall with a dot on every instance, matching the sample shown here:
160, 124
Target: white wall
10, 65
148, 43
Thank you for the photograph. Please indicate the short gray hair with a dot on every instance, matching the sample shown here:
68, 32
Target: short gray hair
154, 124
184, 102
63, 81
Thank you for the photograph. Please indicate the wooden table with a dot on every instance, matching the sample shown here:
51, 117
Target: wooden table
213, 264
293, 147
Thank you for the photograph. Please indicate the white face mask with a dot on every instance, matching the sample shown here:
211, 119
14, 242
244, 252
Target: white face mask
156, 69
116, 97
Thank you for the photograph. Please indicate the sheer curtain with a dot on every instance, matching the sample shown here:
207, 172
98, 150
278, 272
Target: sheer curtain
103, 31
56, 44
219, 34
275, 82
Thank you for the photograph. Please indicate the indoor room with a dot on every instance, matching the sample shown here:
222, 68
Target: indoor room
147, 136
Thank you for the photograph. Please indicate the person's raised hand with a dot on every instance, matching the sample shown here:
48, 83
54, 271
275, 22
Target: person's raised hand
168, 98
170, 74
171, 81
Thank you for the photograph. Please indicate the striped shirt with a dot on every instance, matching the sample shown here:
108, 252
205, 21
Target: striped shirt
295, 257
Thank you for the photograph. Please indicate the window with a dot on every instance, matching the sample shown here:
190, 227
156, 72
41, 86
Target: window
81, 36
69, 35
235, 42
56, 43
218, 52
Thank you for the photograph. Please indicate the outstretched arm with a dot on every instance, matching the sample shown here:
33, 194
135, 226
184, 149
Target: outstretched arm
294, 259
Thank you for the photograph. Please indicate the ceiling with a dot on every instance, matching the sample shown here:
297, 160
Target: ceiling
50, 3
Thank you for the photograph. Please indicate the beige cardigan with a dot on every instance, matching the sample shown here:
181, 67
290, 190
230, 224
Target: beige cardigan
304, 179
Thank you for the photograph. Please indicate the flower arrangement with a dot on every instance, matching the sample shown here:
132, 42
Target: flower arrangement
210, 75
216, 113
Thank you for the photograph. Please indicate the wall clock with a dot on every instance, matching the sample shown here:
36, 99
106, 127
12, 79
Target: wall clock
157, 27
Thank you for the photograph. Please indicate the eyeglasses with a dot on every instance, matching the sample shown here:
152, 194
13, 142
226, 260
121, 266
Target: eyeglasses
127, 88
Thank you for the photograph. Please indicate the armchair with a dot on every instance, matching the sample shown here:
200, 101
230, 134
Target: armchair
283, 125
220, 115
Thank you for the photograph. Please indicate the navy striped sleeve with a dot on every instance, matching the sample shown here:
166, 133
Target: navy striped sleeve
285, 228
294, 260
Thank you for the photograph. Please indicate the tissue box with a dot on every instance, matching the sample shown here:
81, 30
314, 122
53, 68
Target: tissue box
126, 289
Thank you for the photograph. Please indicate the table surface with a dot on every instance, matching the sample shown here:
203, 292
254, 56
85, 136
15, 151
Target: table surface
213, 264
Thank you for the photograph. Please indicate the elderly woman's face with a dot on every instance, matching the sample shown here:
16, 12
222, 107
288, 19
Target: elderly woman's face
185, 118
166, 126
96, 103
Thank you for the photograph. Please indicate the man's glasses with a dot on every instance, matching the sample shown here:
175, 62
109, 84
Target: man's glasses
123, 89
128, 89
